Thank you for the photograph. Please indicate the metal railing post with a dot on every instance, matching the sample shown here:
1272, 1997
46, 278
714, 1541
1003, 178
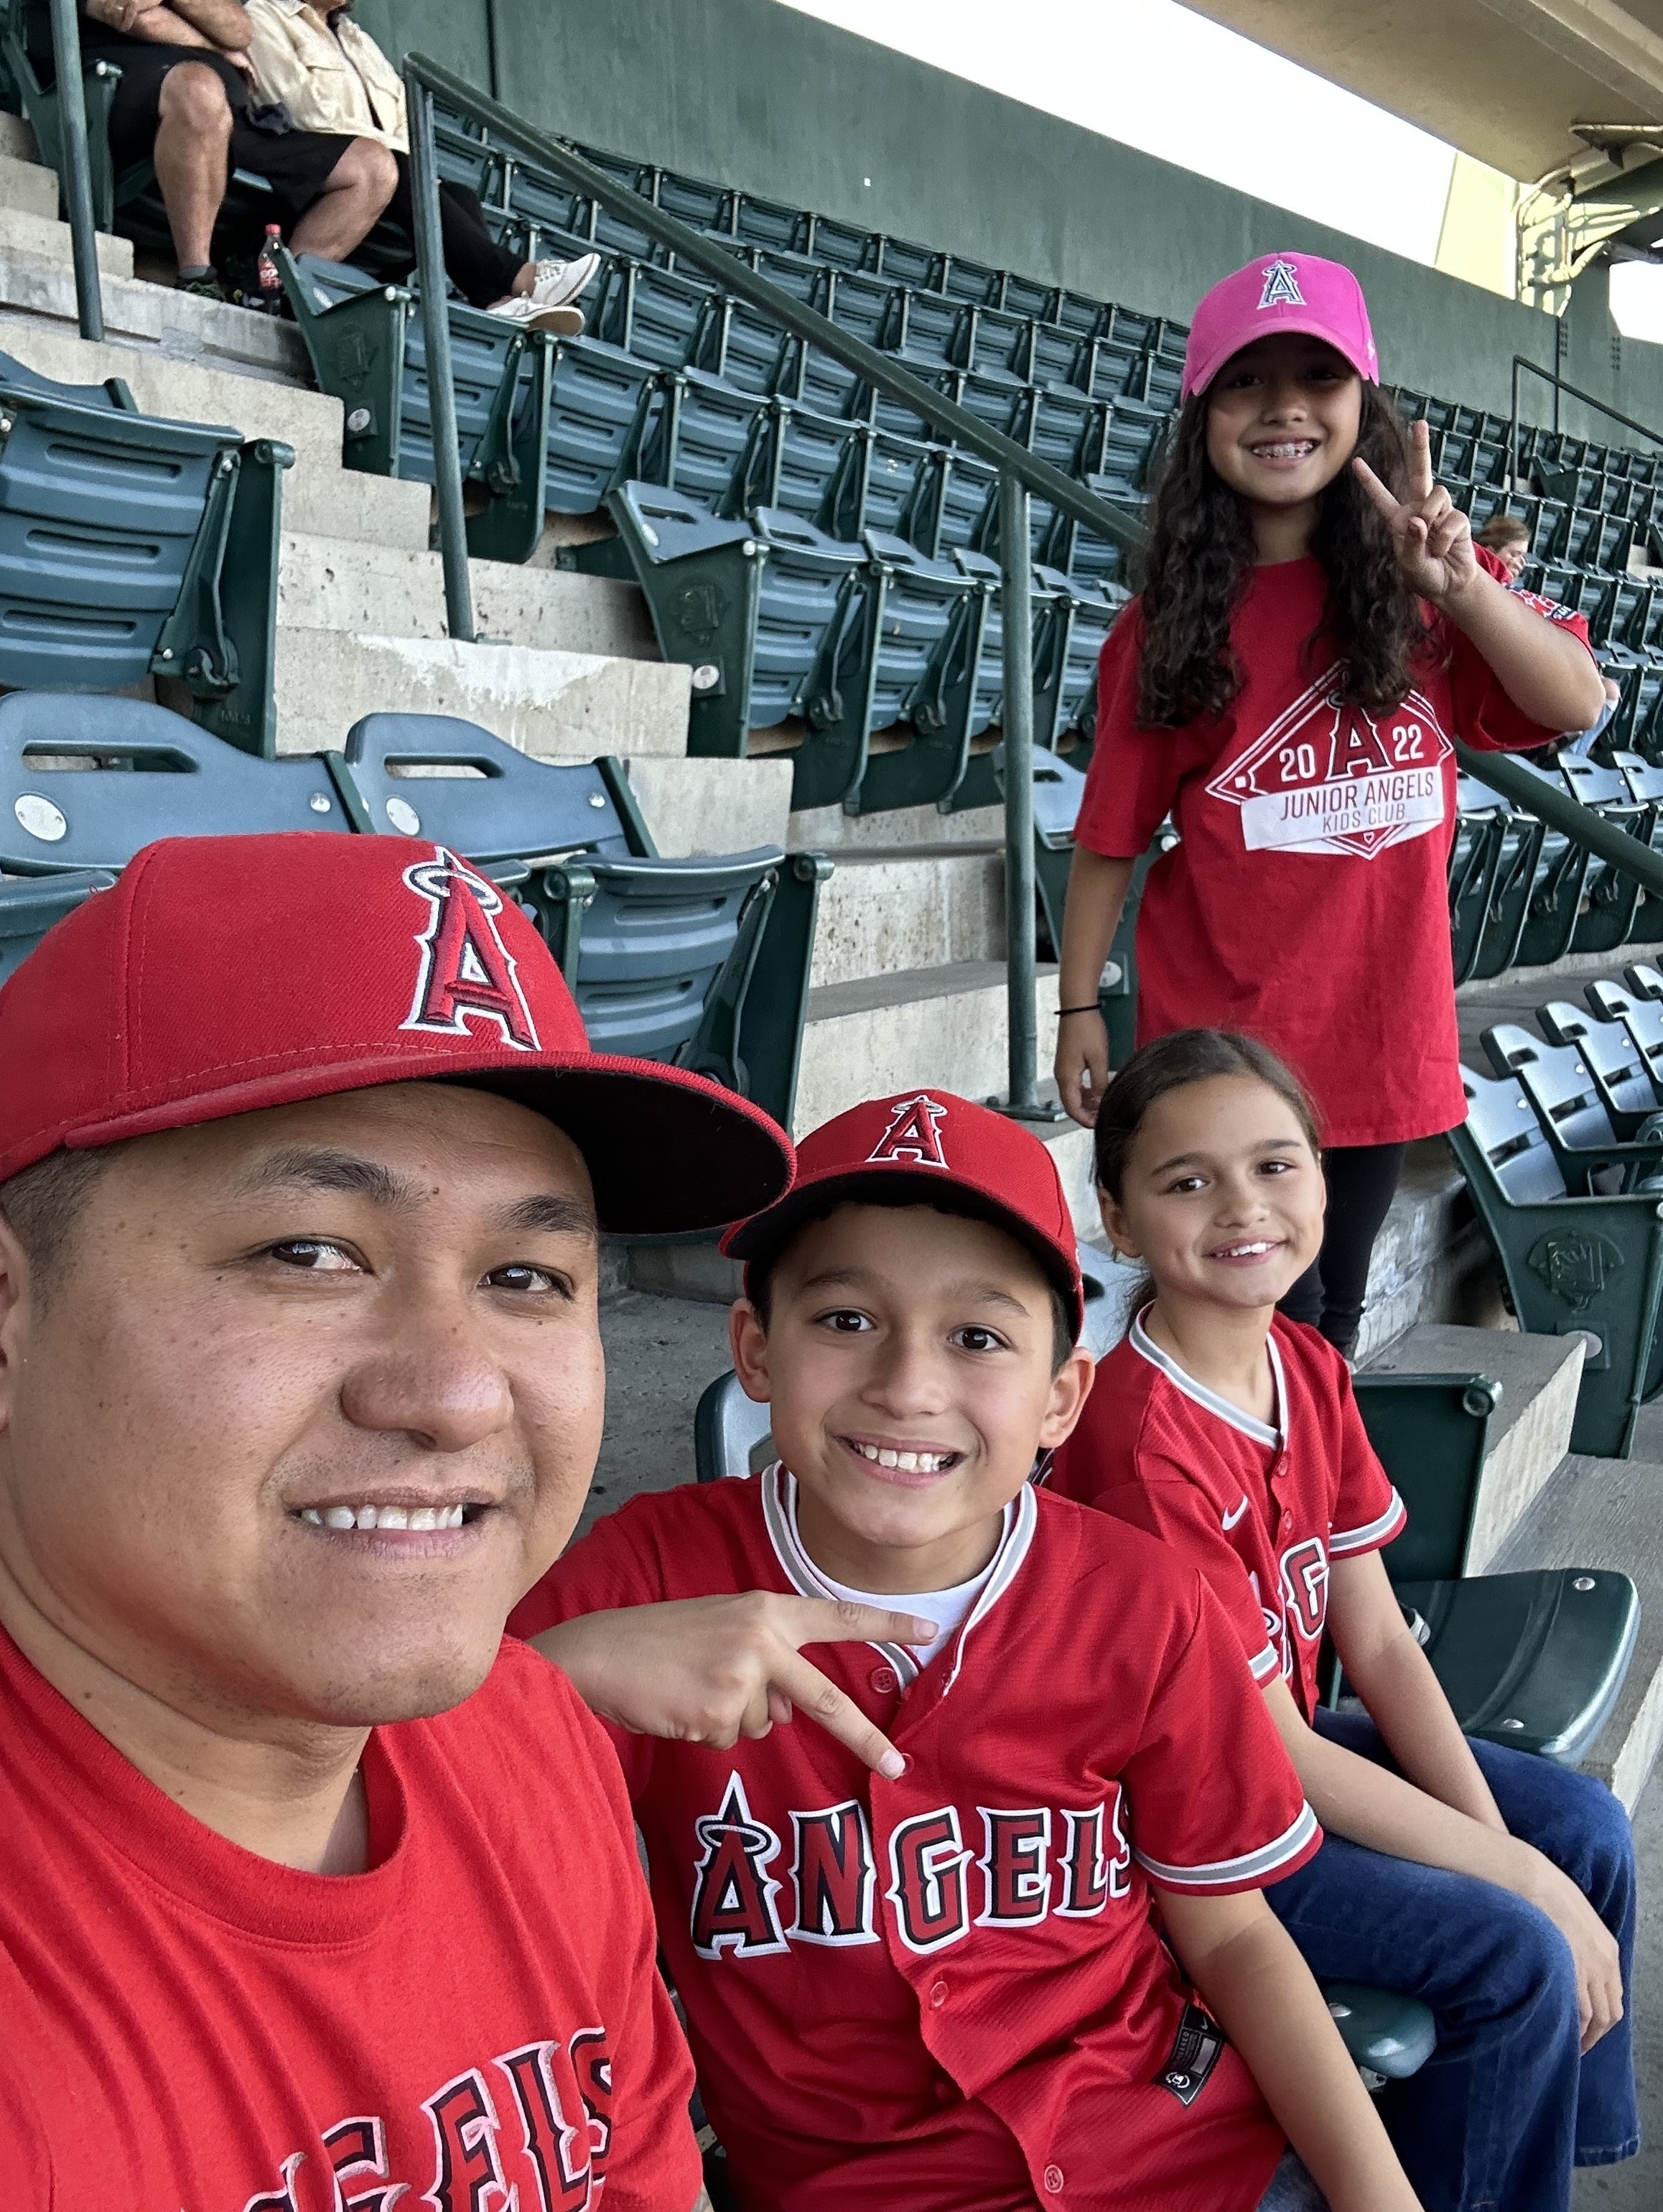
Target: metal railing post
442, 391
1016, 584
77, 169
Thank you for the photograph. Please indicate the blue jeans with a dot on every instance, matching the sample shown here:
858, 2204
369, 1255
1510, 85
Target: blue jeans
1505, 2106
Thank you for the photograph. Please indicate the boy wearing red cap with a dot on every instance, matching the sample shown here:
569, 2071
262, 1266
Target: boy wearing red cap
313, 1892
941, 1984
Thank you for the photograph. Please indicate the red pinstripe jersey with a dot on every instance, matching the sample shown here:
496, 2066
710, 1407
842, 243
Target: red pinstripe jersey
948, 1989
1259, 1510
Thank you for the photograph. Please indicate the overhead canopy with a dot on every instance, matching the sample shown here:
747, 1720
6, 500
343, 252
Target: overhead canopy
1503, 79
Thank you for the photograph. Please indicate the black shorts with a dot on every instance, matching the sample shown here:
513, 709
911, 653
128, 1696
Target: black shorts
295, 164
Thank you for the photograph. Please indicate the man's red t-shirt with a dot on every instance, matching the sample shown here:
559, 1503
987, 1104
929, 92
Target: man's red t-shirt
1307, 901
474, 2023
1260, 1508
946, 1993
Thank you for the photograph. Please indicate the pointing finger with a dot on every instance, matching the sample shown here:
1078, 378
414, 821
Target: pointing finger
837, 1620
811, 1695
1390, 508
1420, 460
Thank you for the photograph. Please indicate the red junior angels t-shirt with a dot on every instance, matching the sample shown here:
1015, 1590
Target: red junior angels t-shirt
475, 2022
1306, 901
947, 1991
1260, 1508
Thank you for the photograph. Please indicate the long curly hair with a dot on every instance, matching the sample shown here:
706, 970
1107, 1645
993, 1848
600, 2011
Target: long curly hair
1200, 556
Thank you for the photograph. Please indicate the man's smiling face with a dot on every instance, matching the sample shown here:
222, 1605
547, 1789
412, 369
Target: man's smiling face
315, 1395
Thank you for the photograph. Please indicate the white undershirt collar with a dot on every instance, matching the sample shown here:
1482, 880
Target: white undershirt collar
1145, 1345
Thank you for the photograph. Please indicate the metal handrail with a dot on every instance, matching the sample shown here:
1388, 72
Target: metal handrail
1560, 384
77, 169
1022, 473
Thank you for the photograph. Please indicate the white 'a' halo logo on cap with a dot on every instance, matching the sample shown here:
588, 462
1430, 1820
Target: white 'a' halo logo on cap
914, 1134
466, 972
1281, 286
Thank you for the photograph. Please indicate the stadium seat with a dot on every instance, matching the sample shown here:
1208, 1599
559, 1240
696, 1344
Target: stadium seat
86, 781
664, 957
927, 618
367, 348
1610, 897
1565, 1097
29, 905
133, 546
1534, 1661
1590, 1266
1482, 817
1620, 1072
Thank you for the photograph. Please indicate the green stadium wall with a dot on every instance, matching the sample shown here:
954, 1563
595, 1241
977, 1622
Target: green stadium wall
755, 94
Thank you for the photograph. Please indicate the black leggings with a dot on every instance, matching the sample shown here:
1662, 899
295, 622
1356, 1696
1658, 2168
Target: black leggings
1362, 1179
481, 269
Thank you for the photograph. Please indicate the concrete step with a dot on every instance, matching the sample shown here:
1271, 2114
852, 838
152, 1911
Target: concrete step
397, 591
1529, 1431
38, 280
34, 237
1609, 1513
918, 906
712, 805
559, 706
940, 1024
829, 829
28, 187
17, 140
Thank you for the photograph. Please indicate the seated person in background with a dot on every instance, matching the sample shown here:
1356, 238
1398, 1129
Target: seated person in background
336, 81
183, 103
944, 1983
1497, 1888
1508, 537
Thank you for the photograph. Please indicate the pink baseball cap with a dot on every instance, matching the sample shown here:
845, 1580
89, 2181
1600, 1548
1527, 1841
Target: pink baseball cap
1280, 292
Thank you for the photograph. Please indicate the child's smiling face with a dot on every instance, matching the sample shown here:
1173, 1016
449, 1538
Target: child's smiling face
1283, 419
908, 1359
1223, 1196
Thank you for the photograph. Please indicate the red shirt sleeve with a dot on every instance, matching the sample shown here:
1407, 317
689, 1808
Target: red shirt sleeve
1250, 1825
1170, 1506
1134, 773
26, 2164
1486, 718
1367, 1511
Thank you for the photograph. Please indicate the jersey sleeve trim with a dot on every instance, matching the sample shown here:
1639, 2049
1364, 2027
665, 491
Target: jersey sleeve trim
1250, 1871
1264, 1664
1343, 1543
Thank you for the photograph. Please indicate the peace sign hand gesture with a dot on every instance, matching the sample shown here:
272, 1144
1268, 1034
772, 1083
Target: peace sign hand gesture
1432, 538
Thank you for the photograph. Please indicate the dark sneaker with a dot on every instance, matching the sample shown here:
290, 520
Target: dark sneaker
201, 283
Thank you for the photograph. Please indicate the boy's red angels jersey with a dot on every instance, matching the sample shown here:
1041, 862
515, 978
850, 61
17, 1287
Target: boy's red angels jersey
476, 2023
947, 1991
1260, 1509
1306, 901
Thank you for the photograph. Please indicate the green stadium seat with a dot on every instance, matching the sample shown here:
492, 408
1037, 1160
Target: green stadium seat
927, 327
1643, 1018
961, 503
879, 486
902, 261
664, 957
1620, 1072
1583, 1265
368, 349
1588, 1151
29, 905
1610, 897
701, 437
1534, 1661
842, 245
928, 618
660, 315
133, 546
975, 282
1482, 820
799, 455
86, 781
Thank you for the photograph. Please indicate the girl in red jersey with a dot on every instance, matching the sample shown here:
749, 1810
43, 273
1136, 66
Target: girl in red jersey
1496, 1886
1315, 629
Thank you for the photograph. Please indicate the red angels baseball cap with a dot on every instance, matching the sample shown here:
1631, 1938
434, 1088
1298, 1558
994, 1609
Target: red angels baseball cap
922, 1143
1280, 292
222, 975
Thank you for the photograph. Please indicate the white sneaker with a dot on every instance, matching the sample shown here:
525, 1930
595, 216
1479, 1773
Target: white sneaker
532, 314
559, 283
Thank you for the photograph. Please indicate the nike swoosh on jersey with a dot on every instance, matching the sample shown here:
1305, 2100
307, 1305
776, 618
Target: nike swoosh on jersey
1230, 1519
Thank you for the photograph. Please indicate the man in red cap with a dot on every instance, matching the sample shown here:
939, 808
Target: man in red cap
311, 1896
941, 1982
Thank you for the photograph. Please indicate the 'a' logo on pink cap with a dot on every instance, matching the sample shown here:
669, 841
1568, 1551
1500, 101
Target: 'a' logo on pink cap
914, 1133
465, 968
1281, 286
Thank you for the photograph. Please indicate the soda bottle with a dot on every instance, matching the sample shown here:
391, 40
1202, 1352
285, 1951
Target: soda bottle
271, 283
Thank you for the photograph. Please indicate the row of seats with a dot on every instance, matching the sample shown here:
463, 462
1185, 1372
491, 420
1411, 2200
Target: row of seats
1522, 894
703, 962
1563, 1149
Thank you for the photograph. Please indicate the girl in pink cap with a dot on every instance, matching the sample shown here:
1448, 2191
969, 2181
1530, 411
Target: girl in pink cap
1316, 625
